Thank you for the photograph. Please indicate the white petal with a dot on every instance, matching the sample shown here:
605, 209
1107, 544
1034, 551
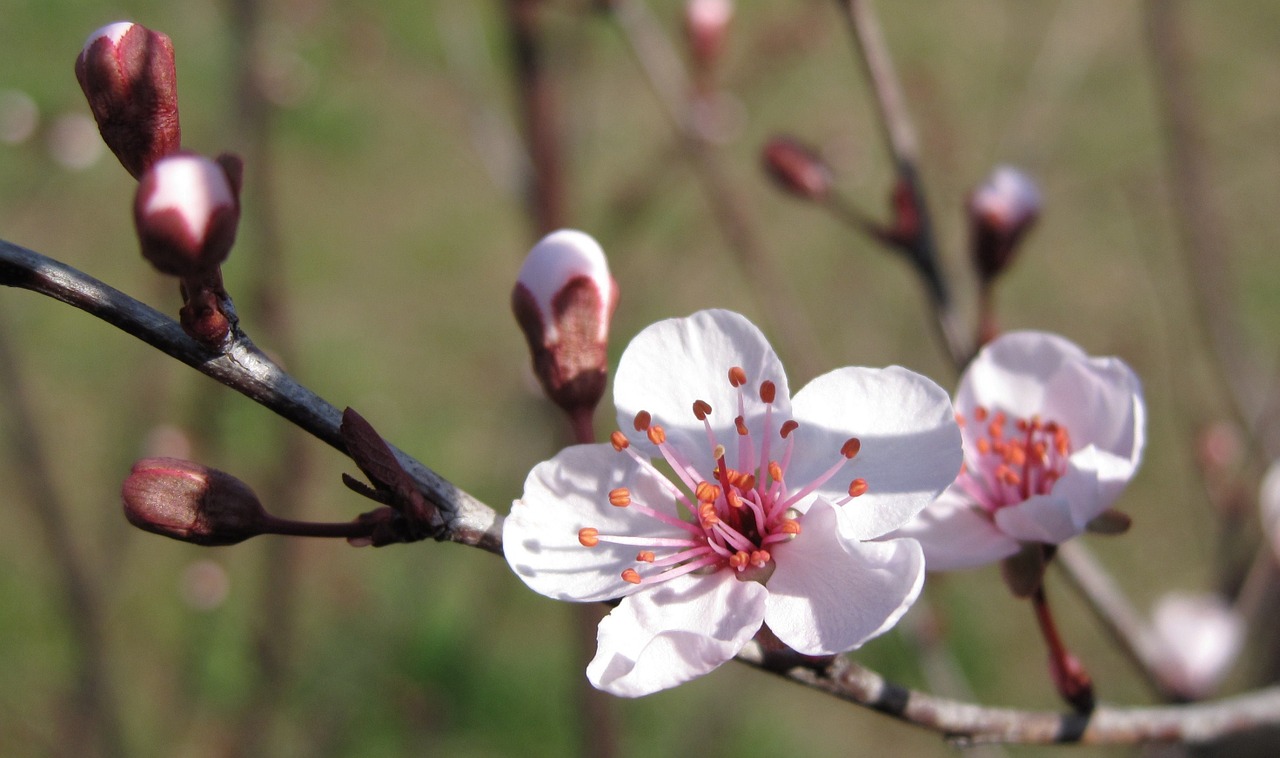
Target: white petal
1013, 371
1202, 636
831, 593
954, 534
1100, 402
1092, 482
1043, 518
672, 363
675, 631
910, 442
570, 492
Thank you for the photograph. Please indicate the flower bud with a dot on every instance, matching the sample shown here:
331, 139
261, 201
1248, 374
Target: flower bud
1000, 213
796, 168
706, 23
191, 503
1202, 636
563, 300
127, 73
186, 212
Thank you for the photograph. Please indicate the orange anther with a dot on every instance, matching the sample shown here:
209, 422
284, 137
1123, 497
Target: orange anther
984, 446
737, 376
788, 428
620, 497
631, 575
980, 413
657, 435
789, 527
646, 556
741, 423
1040, 451
959, 418
707, 492
589, 537
995, 431
768, 391
775, 471
1022, 425
748, 482
701, 409
707, 516
739, 560
1015, 455
619, 441
733, 499
760, 557
851, 447
1008, 476
642, 421
857, 487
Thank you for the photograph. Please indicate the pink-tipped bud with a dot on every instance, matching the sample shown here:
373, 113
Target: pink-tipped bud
796, 168
191, 503
706, 23
186, 212
1202, 637
563, 300
1001, 211
127, 73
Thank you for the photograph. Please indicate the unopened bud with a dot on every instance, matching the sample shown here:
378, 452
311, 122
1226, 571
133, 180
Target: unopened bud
127, 73
1001, 211
186, 212
563, 300
706, 23
191, 503
1202, 636
796, 168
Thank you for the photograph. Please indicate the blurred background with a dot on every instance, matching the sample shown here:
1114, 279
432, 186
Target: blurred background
384, 221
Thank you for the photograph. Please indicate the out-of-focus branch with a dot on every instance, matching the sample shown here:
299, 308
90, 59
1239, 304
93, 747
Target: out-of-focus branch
667, 76
1206, 241
903, 146
545, 183
471, 522
94, 726
243, 368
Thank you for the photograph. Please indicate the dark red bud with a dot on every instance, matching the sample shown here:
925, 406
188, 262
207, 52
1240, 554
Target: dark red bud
1001, 212
128, 76
563, 300
797, 168
190, 502
186, 212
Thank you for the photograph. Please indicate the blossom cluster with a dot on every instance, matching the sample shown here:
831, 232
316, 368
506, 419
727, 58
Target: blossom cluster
724, 508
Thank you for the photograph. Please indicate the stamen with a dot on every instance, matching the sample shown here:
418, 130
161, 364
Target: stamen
657, 435
701, 409
707, 492
620, 497
642, 421
737, 376
858, 487
959, 418
760, 558
631, 575
741, 424
619, 441
980, 414
788, 427
851, 447
645, 556
775, 471
589, 537
739, 560
768, 391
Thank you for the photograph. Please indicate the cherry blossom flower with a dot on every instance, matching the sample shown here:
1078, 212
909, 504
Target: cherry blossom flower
1051, 437
727, 505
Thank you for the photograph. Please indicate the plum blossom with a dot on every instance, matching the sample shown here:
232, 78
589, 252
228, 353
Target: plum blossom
727, 505
1051, 438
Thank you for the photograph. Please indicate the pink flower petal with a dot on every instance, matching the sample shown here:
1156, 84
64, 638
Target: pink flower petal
955, 534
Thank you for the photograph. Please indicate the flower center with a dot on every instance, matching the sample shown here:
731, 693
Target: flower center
731, 516
1015, 458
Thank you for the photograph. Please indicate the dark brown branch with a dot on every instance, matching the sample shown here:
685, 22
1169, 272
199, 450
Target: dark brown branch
474, 523
244, 369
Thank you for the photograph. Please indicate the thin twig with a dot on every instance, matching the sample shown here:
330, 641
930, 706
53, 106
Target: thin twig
903, 145
671, 84
244, 369
473, 523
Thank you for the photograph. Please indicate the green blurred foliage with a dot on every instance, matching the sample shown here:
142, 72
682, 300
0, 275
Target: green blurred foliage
393, 163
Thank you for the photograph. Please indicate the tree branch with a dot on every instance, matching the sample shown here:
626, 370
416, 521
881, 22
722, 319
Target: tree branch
470, 522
